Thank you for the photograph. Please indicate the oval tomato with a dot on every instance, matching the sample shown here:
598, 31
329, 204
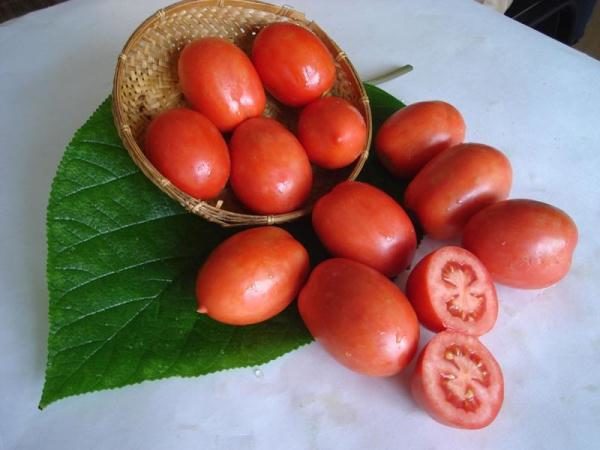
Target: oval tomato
451, 289
270, 172
415, 134
332, 131
360, 222
361, 318
188, 150
523, 243
458, 381
251, 276
455, 185
293, 63
219, 80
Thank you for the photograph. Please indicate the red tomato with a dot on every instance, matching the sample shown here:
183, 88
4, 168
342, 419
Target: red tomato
219, 80
293, 63
523, 243
252, 276
458, 381
451, 289
361, 318
455, 185
415, 134
332, 132
188, 149
270, 172
358, 221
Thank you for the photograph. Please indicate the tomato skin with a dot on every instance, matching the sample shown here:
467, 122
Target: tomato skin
455, 185
251, 276
523, 243
332, 131
270, 172
448, 282
361, 318
413, 135
429, 391
294, 65
187, 149
219, 80
360, 222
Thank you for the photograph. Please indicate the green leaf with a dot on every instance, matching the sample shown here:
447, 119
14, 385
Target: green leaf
122, 260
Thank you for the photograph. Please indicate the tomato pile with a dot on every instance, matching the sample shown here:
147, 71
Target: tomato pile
348, 302
268, 167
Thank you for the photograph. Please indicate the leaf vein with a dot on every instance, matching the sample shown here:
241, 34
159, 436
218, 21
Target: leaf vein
112, 230
116, 272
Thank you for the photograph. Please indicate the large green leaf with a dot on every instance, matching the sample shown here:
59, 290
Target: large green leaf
122, 259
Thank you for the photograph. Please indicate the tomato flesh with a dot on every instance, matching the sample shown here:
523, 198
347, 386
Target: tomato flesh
458, 381
451, 289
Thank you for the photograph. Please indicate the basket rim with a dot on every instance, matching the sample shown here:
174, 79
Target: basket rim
214, 213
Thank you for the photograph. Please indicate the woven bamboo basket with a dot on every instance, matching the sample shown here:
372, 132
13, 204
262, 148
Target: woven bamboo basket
146, 83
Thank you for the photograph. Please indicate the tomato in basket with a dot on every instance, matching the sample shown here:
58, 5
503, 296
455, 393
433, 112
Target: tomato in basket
270, 172
332, 131
293, 63
186, 148
218, 79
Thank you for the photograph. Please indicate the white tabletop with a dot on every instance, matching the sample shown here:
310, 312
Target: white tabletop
535, 99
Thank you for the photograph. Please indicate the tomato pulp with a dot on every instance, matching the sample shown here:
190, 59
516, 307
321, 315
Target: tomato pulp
451, 289
458, 381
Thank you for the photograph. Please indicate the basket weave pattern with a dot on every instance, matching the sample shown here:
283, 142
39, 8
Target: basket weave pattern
146, 83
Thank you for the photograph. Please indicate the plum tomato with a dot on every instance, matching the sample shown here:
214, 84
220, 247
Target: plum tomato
360, 317
251, 276
451, 289
187, 149
360, 222
415, 134
293, 63
218, 79
456, 184
458, 381
270, 172
523, 243
332, 131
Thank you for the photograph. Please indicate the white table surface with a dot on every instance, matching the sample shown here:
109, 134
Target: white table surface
535, 99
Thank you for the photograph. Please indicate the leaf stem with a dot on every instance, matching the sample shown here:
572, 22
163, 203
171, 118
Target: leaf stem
395, 73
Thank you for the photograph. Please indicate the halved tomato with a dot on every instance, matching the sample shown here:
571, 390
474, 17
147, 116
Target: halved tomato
451, 289
458, 381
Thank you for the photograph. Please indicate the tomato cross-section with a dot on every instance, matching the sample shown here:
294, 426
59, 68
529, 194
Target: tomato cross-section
451, 289
458, 381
